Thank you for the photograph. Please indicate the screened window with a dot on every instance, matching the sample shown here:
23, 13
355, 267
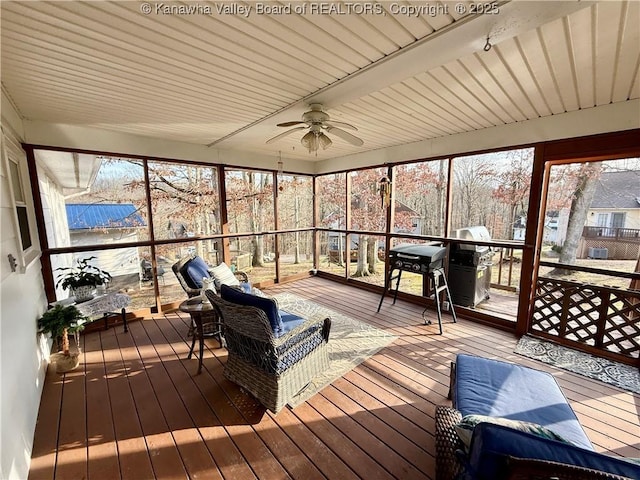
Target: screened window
185, 200
492, 190
368, 213
332, 191
249, 201
295, 202
421, 194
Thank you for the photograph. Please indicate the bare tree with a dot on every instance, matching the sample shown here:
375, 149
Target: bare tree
586, 184
472, 191
513, 186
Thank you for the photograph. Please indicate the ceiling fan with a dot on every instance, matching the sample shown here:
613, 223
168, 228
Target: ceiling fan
319, 124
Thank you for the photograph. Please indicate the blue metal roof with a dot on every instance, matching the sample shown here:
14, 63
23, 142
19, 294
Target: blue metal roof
101, 215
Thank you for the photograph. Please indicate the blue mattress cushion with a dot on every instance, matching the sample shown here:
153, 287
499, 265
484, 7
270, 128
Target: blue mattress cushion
500, 389
267, 305
194, 270
491, 444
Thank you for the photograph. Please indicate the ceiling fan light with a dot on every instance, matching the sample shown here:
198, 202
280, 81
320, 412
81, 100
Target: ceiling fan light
325, 142
310, 142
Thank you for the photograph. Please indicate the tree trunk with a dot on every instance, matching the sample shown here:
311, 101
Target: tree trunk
296, 213
341, 253
363, 267
296, 247
372, 255
257, 242
582, 198
439, 223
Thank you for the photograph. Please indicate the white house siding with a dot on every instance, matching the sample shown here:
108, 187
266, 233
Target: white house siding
55, 220
54, 213
631, 217
23, 353
121, 261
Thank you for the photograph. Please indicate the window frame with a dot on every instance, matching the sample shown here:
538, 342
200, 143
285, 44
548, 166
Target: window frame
14, 161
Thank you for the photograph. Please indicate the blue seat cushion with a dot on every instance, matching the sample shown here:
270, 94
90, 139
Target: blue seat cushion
193, 271
289, 322
499, 389
491, 444
267, 305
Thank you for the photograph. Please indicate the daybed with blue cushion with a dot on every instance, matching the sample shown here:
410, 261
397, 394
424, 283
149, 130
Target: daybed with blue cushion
509, 421
273, 354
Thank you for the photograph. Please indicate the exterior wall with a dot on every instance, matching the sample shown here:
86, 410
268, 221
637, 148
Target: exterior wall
55, 219
617, 248
23, 353
55, 215
631, 219
124, 261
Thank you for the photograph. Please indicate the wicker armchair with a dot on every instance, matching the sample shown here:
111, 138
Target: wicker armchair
178, 269
272, 369
449, 452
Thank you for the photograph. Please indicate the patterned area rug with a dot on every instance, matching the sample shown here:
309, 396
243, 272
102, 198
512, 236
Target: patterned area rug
351, 342
608, 371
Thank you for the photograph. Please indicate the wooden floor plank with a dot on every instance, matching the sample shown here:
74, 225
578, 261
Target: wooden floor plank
137, 408
71, 462
132, 448
102, 449
45, 444
194, 392
195, 455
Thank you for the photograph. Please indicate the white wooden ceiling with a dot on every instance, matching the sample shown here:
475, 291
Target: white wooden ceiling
226, 79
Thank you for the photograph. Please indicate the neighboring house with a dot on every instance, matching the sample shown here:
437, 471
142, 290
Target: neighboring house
412, 215
612, 226
400, 209
99, 224
519, 228
616, 203
553, 223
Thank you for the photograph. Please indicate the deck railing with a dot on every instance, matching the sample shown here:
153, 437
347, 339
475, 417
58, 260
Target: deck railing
596, 319
505, 274
611, 233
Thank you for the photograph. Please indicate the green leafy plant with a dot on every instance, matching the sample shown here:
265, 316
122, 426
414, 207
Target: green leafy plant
82, 274
59, 321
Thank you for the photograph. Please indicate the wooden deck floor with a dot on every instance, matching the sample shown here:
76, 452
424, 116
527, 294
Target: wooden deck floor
135, 409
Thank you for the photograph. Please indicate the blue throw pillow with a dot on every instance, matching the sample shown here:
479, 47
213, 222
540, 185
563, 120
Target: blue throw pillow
267, 305
194, 270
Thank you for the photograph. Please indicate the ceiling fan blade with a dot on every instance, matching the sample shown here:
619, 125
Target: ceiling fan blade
289, 124
333, 123
346, 136
282, 135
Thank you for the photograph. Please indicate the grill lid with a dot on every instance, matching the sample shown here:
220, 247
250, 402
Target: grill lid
429, 253
478, 233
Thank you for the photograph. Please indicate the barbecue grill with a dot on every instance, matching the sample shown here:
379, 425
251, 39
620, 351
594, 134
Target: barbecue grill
424, 259
470, 267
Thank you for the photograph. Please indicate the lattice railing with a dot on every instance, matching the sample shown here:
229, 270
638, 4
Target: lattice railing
603, 318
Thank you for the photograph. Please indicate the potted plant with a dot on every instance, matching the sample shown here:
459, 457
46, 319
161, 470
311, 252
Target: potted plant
82, 279
59, 322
